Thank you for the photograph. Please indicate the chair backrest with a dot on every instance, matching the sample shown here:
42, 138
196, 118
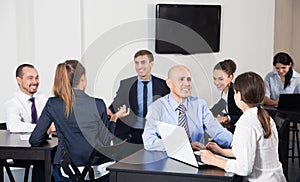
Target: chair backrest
114, 152
72, 170
282, 125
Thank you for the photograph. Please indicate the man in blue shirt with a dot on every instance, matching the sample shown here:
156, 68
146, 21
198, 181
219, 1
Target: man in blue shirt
199, 118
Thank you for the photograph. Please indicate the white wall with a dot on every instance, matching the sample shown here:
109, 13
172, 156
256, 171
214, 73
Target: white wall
107, 35
39, 32
112, 34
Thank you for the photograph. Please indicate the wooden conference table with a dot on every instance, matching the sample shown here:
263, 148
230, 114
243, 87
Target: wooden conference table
147, 166
12, 147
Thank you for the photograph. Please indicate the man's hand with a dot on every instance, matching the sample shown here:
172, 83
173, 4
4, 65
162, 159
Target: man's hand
122, 112
197, 146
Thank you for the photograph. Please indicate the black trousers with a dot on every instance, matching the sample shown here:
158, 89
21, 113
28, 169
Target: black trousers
136, 136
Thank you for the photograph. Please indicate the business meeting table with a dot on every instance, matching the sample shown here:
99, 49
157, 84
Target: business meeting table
148, 166
12, 147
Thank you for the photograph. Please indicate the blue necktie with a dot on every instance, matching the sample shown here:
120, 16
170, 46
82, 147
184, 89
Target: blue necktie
33, 111
145, 95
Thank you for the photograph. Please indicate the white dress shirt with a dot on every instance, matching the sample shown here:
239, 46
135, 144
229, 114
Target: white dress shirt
18, 111
256, 156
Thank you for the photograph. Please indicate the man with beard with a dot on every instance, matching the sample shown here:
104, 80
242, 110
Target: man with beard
20, 114
23, 110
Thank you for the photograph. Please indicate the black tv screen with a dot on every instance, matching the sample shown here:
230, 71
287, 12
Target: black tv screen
187, 29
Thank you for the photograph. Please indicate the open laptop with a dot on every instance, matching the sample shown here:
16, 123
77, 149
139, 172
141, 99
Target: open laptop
177, 144
289, 102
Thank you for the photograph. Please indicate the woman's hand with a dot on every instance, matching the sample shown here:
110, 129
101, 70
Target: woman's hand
213, 147
207, 157
222, 119
122, 112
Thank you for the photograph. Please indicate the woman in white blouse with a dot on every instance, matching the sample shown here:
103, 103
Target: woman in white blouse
254, 149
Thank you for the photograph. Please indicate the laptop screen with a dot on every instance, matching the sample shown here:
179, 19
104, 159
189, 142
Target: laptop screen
289, 102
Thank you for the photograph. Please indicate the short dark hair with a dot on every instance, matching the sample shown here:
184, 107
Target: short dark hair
19, 71
144, 52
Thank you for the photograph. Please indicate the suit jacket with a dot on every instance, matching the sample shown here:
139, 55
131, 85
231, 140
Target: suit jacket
127, 94
78, 133
233, 111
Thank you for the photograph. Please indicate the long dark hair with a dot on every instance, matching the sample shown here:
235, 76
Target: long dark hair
285, 59
252, 89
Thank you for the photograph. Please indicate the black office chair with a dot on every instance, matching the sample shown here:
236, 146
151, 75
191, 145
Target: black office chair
295, 138
72, 170
115, 152
11, 163
282, 125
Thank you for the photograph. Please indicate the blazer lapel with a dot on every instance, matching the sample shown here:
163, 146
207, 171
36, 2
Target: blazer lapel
133, 98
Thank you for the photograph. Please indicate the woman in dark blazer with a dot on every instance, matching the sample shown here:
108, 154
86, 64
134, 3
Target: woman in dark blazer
80, 120
225, 110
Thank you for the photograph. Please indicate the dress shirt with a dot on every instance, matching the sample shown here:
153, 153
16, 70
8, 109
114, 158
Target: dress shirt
275, 87
18, 111
256, 156
140, 87
199, 120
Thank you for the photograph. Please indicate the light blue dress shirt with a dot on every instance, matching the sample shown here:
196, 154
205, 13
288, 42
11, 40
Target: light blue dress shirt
199, 120
275, 87
140, 89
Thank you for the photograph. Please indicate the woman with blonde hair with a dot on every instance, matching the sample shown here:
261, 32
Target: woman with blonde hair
81, 121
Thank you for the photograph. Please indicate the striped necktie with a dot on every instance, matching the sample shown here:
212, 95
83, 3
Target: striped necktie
182, 119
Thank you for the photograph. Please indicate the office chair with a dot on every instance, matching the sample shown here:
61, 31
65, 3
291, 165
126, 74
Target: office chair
72, 170
115, 152
10, 163
295, 138
282, 125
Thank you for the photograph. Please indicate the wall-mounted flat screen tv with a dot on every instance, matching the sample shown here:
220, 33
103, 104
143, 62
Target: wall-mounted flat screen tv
187, 29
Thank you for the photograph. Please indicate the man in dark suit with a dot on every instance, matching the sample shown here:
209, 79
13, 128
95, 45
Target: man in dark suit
137, 93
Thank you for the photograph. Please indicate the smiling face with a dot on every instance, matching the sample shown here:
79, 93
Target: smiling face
180, 83
29, 81
282, 69
143, 66
221, 79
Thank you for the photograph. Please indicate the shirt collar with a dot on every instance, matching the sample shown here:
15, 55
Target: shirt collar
174, 104
140, 80
24, 96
